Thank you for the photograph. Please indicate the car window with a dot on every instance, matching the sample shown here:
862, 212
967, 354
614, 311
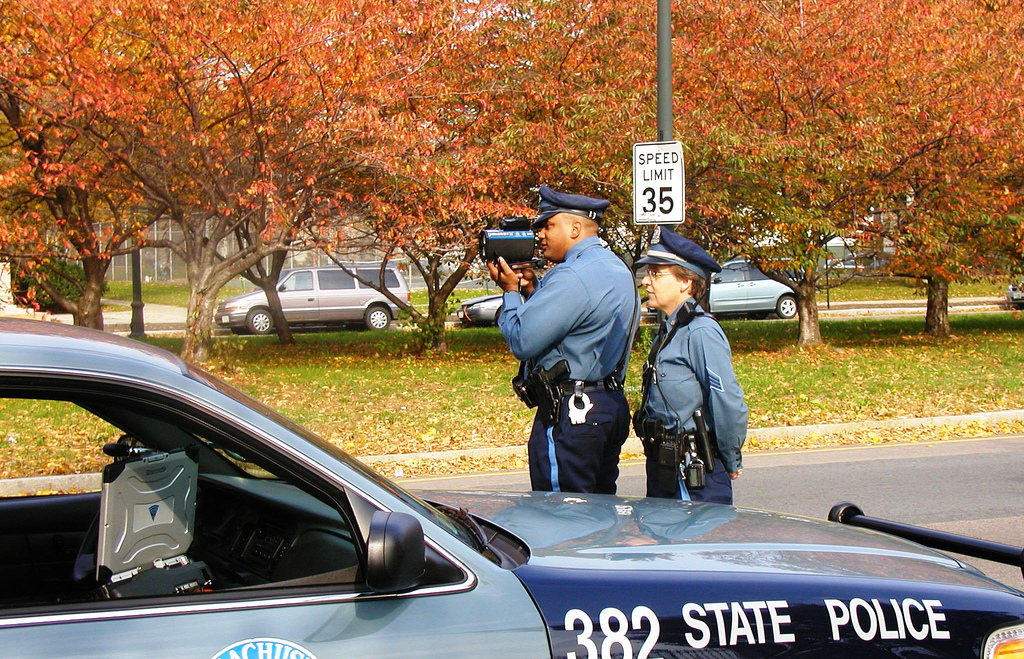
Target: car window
43, 437
297, 281
235, 519
332, 280
733, 274
423, 508
372, 275
756, 275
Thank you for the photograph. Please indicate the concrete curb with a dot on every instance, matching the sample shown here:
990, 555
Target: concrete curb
73, 482
91, 482
633, 445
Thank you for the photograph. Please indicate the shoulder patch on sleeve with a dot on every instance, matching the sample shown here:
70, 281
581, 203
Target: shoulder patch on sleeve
714, 382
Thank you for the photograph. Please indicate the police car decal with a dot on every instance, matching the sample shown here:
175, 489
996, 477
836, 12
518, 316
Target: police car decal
264, 648
727, 624
654, 614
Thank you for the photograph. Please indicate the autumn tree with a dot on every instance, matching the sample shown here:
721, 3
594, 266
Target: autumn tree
784, 103
585, 92
62, 198
244, 113
440, 174
956, 126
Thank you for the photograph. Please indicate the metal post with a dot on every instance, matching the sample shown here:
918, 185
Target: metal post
828, 288
664, 80
138, 325
664, 70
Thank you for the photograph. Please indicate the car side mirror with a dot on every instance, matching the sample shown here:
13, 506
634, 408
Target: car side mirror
395, 552
280, 289
716, 280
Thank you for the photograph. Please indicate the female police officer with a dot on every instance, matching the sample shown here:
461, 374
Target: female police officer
689, 369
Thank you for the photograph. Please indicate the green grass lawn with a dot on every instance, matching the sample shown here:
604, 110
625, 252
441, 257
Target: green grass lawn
172, 293
370, 393
906, 288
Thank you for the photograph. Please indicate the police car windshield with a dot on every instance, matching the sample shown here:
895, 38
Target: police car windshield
423, 508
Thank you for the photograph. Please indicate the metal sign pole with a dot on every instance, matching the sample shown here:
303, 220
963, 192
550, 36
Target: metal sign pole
664, 70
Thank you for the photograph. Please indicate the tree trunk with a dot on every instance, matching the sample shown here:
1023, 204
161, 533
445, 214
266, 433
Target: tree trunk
202, 305
90, 305
87, 311
281, 326
936, 319
267, 280
807, 308
435, 338
206, 276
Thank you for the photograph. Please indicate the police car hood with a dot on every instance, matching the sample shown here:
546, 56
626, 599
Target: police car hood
597, 532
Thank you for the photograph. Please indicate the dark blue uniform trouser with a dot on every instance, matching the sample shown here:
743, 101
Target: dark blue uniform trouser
584, 457
717, 490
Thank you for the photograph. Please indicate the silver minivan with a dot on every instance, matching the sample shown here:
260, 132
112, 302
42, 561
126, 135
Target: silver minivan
740, 288
318, 296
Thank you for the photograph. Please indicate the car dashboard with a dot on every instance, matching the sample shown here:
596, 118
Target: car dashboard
253, 531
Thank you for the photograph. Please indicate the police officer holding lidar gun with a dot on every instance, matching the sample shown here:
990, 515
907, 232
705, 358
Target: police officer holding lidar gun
692, 419
572, 330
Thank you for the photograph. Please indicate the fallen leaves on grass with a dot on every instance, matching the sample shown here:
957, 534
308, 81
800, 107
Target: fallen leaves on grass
421, 467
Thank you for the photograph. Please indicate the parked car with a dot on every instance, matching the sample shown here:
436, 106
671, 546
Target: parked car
481, 310
221, 530
849, 263
740, 288
1015, 294
318, 296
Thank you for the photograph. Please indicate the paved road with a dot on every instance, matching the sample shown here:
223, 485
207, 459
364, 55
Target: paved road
973, 487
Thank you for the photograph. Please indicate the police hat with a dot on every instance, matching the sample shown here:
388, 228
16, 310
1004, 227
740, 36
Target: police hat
552, 203
669, 248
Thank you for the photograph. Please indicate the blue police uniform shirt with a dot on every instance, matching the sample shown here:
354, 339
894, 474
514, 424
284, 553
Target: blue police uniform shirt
698, 356
582, 311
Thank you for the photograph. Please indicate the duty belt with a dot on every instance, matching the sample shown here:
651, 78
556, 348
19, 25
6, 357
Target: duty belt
568, 387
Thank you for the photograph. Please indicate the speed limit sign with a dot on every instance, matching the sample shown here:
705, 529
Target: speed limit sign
659, 183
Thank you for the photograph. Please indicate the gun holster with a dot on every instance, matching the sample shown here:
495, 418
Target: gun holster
671, 449
666, 448
523, 392
540, 389
702, 438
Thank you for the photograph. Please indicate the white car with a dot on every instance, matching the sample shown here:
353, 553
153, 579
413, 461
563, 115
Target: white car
1015, 294
740, 288
319, 296
481, 310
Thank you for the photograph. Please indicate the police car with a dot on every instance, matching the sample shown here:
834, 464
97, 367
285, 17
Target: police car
221, 530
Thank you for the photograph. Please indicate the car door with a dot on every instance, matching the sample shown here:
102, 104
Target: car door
762, 292
729, 289
299, 297
338, 297
281, 497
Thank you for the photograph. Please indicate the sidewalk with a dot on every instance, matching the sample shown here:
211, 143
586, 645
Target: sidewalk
166, 318
916, 305
157, 317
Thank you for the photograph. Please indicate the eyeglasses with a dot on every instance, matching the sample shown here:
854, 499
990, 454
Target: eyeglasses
656, 273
